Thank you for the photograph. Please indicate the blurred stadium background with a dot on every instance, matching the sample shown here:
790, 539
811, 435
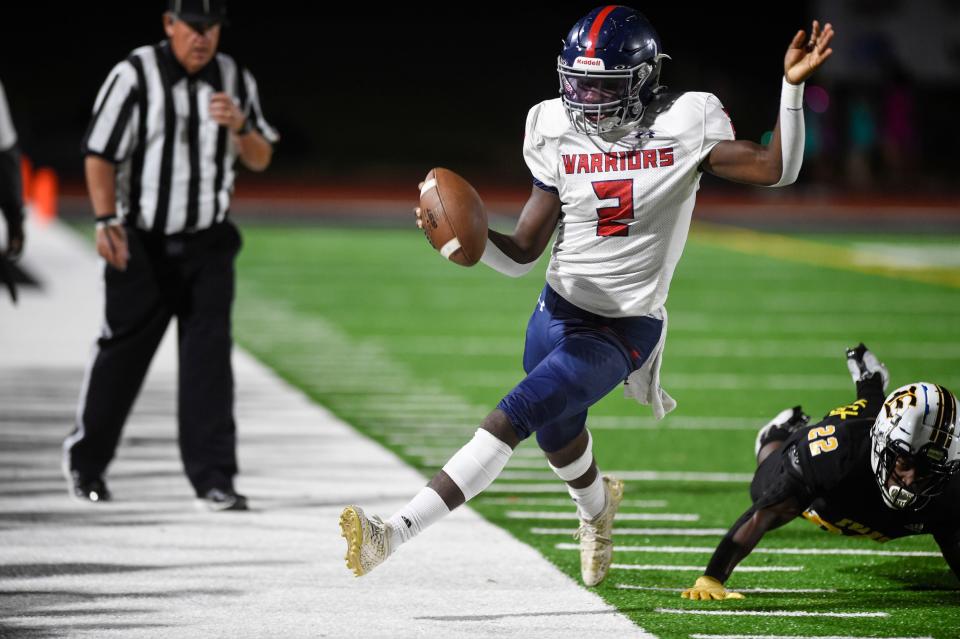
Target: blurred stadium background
367, 101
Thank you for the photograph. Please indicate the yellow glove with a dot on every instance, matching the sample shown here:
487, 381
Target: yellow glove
707, 588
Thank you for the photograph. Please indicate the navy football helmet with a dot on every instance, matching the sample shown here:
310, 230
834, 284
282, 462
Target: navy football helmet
609, 68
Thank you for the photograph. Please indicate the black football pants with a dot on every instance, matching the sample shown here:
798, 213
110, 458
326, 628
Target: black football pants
191, 277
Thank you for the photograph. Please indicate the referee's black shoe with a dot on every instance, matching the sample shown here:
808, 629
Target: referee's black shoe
88, 489
218, 499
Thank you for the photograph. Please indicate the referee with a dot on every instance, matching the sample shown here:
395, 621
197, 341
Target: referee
167, 127
11, 196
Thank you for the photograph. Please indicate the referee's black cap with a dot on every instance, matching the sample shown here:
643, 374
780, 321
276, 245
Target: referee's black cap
204, 12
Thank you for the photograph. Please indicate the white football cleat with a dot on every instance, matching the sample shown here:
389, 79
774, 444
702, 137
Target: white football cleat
368, 540
780, 427
596, 535
863, 364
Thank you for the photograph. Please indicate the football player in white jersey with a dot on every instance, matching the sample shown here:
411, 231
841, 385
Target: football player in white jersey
616, 164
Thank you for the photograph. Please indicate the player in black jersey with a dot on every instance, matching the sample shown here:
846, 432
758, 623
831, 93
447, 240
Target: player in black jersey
877, 468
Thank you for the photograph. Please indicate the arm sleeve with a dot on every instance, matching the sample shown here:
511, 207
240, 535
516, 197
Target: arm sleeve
502, 263
536, 153
111, 131
253, 110
717, 126
791, 132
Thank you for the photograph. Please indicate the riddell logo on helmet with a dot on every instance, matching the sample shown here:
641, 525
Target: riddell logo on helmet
588, 63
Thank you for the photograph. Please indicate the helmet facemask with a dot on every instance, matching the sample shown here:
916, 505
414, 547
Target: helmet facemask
906, 443
598, 101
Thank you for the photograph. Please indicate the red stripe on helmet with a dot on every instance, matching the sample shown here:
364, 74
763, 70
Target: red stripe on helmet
595, 29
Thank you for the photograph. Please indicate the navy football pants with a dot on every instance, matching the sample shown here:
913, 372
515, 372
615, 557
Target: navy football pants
573, 358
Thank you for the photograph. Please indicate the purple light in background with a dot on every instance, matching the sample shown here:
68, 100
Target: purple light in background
818, 100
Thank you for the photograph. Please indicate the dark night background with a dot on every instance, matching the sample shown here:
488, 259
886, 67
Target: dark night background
385, 93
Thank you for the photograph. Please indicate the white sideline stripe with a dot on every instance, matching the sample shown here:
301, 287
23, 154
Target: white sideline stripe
700, 568
700, 636
651, 532
747, 590
429, 184
534, 501
708, 550
449, 248
540, 514
643, 475
768, 613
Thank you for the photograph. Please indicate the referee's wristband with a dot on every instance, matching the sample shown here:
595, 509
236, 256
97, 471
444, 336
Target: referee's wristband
107, 219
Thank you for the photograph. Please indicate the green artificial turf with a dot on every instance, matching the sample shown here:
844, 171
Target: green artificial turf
414, 351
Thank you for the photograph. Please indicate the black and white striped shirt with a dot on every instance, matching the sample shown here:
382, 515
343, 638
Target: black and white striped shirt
174, 162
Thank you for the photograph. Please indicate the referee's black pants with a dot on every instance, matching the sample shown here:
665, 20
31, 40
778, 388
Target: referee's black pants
190, 276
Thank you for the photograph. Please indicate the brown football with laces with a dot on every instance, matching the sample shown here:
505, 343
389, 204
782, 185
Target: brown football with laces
453, 217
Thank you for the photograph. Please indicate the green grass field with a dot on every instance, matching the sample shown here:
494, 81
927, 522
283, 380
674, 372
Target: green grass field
414, 351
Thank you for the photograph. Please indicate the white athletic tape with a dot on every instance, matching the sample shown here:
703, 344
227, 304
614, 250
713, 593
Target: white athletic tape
450, 248
429, 184
578, 467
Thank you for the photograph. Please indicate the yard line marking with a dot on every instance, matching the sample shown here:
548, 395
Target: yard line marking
807, 349
708, 550
714, 381
702, 636
700, 568
820, 254
607, 422
504, 487
746, 590
527, 453
767, 613
725, 348
651, 532
525, 514
534, 501
644, 475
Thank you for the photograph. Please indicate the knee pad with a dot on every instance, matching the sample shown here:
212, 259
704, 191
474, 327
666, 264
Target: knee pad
579, 466
477, 464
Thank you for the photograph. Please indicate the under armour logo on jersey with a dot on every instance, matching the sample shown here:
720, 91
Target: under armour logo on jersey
541, 303
644, 134
407, 521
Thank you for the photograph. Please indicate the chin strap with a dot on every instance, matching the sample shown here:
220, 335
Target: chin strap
791, 132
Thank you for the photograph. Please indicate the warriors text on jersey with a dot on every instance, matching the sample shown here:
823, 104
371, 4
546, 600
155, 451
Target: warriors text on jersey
626, 203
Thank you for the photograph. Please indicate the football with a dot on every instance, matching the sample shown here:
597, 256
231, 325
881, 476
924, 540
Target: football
453, 217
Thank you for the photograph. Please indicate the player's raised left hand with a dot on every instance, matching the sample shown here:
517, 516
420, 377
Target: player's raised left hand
805, 55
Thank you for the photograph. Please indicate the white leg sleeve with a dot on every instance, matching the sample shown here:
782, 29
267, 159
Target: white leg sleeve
477, 464
791, 132
502, 263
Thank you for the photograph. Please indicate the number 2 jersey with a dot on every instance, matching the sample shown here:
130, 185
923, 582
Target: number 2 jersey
626, 203
827, 468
